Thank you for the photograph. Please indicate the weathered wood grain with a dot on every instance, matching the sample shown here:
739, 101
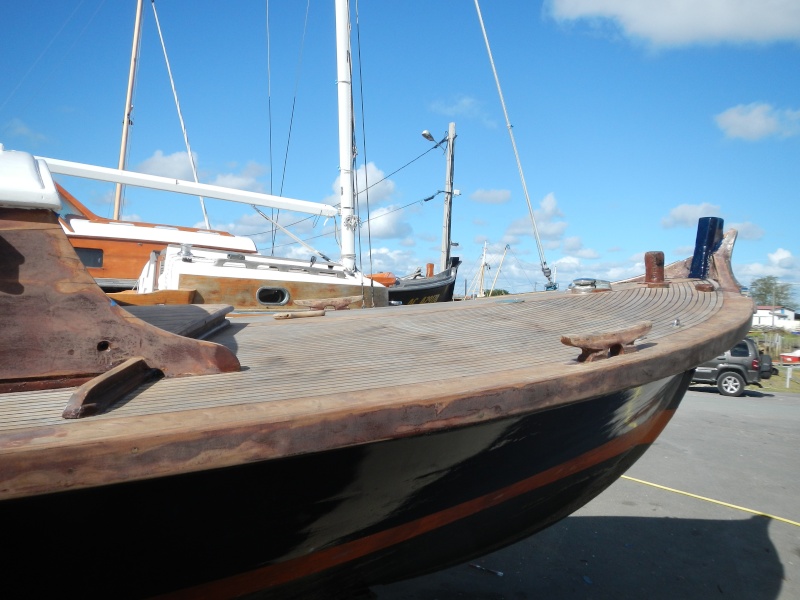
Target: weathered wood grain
356, 376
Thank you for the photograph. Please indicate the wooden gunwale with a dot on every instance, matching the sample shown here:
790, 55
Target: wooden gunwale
415, 369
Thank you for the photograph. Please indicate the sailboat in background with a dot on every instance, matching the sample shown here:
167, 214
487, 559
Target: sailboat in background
231, 271
114, 251
162, 261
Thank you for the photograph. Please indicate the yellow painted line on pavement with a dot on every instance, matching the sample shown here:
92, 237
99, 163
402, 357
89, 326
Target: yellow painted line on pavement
742, 508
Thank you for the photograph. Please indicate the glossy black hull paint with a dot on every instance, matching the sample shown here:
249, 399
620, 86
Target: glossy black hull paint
392, 509
426, 290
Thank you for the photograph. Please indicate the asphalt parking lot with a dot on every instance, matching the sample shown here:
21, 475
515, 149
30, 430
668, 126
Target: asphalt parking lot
724, 523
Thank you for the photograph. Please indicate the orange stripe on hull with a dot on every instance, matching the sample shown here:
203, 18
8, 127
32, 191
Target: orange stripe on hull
317, 562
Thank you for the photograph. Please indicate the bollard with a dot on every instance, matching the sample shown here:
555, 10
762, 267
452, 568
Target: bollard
654, 269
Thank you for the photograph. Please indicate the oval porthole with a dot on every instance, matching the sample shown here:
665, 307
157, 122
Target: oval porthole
276, 296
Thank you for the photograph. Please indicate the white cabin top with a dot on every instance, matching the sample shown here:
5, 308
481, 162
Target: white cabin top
26, 182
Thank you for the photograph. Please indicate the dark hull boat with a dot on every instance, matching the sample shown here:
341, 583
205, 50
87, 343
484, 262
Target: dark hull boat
300, 457
324, 523
421, 290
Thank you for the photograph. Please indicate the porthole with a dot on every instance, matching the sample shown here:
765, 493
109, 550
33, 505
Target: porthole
272, 296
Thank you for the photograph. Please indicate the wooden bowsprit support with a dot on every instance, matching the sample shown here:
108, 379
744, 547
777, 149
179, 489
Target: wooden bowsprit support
596, 346
58, 328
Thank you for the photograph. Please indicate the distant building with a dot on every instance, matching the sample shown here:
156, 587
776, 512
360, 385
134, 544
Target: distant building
767, 317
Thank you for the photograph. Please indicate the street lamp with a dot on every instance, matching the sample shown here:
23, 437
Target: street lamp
450, 138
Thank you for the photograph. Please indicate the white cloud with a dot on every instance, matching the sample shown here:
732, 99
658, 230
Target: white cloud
548, 209
781, 264
252, 225
462, 106
175, 165
380, 189
247, 179
16, 128
523, 227
550, 230
387, 223
622, 272
399, 262
783, 259
684, 22
317, 233
748, 231
568, 264
573, 246
686, 215
758, 120
491, 196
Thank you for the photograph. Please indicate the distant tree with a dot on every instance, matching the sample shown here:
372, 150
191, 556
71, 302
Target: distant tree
498, 293
768, 291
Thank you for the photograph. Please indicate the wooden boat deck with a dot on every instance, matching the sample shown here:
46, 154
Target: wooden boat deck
356, 376
345, 352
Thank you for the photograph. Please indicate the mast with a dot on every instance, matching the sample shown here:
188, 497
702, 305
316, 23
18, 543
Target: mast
346, 151
448, 196
126, 121
497, 273
477, 283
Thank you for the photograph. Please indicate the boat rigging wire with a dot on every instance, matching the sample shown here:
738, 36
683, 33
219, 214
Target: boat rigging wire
381, 180
291, 114
180, 114
523, 269
545, 269
55, 65
269, 109
375, 218
290, 234
366, 162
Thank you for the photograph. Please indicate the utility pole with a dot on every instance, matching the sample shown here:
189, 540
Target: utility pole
448, 196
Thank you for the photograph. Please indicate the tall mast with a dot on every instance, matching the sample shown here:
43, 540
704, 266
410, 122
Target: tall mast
126, 121
346, 151
448, 196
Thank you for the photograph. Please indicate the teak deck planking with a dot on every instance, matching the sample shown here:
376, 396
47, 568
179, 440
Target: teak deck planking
354, 376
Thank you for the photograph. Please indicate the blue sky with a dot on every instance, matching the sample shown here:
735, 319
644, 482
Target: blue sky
632, 119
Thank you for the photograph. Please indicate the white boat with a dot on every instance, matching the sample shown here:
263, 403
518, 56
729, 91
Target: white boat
114, 250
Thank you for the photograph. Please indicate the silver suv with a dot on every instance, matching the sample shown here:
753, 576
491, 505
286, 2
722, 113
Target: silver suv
732, 371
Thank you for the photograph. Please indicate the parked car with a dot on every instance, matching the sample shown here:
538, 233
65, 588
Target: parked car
766, 368
731, 372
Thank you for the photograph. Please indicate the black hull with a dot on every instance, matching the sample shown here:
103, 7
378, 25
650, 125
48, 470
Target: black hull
339, 520
426, 290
